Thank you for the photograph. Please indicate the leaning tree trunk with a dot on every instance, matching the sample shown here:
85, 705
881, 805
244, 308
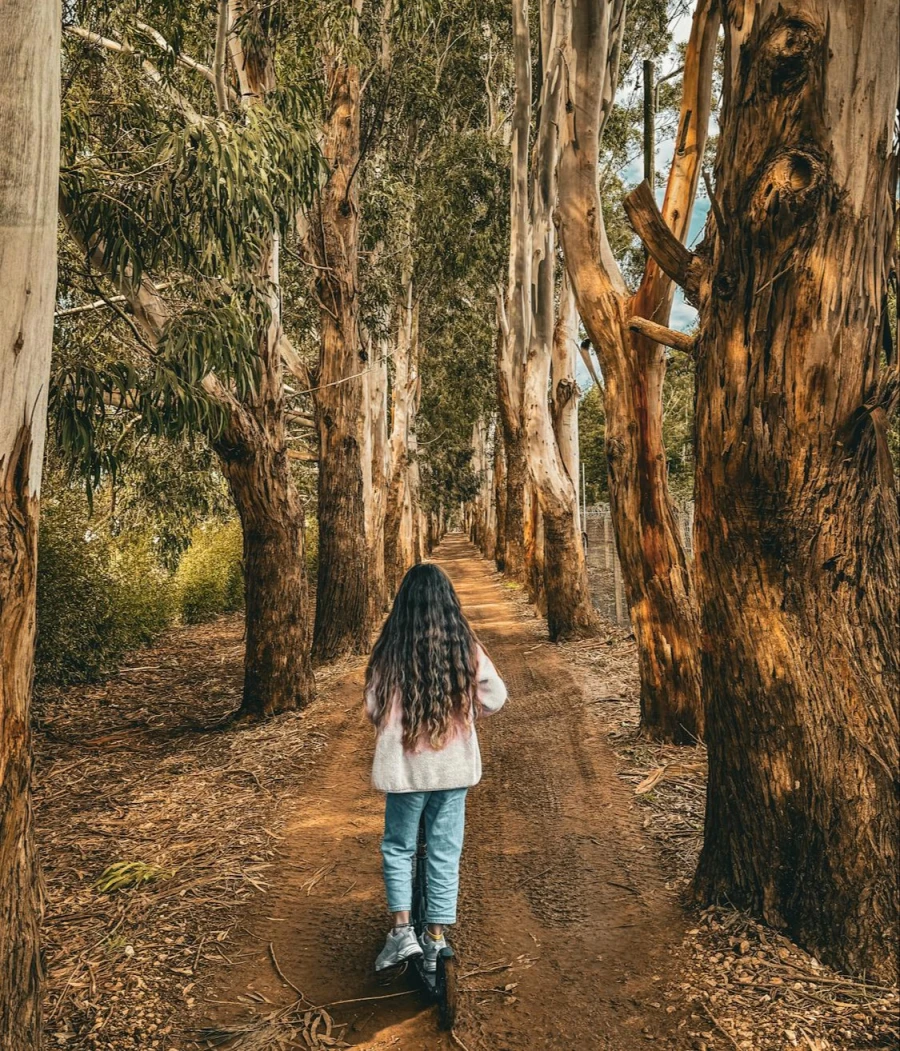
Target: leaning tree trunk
561, 562
343, 618
654, 568
29, 169
797, 538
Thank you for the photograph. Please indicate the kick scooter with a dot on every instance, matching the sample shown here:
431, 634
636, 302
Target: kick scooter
441, 984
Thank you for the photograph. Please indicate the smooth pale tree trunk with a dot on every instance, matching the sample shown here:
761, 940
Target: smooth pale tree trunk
403, 393
514, 313
797, 533
499, 497
564, 390
559, 572
376, 466
29, 173
654, 567
343, 609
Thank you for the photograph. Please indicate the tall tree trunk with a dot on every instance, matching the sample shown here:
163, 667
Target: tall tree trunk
500, 497
402, 396
253, 452
564, 390
376, 466
343, 618
277, 671
29, 170
654, 567
798, 539
514, 313
562, 567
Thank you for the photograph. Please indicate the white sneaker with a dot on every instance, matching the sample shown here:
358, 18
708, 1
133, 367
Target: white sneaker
431, 949
401, 944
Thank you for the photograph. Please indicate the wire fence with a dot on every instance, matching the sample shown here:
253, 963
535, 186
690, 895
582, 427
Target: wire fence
604, 571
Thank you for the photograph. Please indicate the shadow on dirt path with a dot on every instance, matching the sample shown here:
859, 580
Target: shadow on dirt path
567, 933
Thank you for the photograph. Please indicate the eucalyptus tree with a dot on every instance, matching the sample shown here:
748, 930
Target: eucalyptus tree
433, 203
631, 348
538, 355
29, 167
181, 177
798, 539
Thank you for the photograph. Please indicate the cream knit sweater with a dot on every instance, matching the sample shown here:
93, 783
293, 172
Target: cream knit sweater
456, 765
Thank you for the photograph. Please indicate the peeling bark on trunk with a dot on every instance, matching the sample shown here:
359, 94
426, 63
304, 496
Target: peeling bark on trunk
29, 169
654, 567
558, 570
798, 540
342, 623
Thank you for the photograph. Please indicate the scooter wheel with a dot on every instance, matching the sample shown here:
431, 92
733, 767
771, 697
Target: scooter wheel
447, 989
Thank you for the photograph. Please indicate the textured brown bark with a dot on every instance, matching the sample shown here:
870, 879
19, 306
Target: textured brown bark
514, 558
277, 671
20, 896
343, 614
798, 540
654, 568
29, 170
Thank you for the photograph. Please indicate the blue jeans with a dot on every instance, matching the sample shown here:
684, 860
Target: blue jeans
445, 819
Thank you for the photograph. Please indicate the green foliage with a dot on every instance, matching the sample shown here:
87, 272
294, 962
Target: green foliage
210, 579
678, 428
592, 445
128, 875
97, 597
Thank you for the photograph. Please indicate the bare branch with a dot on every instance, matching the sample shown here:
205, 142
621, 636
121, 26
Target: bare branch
221, 56
660, 334
669, 253
150, 71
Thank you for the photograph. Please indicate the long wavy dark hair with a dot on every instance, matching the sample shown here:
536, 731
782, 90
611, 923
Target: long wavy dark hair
426, 652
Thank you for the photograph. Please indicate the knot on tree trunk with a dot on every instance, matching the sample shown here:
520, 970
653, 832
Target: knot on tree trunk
787, 190
786, 57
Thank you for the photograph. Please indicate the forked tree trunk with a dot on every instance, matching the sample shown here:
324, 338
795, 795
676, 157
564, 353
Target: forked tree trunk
798, 540
654, 568
343, 613
29, 170
558, 566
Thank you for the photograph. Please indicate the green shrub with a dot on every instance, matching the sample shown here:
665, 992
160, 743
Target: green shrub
97, 597
210, 577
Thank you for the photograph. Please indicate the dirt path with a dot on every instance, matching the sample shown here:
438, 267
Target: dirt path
558, 881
